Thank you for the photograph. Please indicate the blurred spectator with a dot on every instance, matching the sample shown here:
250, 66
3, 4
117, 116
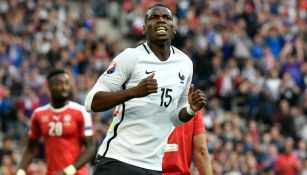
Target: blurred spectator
6, 167
7, 148
7, 112
287, 163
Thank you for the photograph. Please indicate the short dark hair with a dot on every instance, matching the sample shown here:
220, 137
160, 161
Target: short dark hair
54, 73
151, 7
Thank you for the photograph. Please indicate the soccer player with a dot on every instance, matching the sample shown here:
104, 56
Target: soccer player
151, 85
66, 128
184, 140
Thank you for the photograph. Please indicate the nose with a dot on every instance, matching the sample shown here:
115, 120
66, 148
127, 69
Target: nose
65, 87
161, 18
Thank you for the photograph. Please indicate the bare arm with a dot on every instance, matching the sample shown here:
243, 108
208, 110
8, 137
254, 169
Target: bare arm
86, 155
201, 155
105, 100
27, 154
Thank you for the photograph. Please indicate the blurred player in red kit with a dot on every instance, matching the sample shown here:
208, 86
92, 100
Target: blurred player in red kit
185, 139
67, 130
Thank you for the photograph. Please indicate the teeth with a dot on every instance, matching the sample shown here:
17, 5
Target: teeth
161, 29
161, 32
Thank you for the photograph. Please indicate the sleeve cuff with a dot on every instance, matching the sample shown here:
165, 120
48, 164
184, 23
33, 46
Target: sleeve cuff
175, 119
88, 101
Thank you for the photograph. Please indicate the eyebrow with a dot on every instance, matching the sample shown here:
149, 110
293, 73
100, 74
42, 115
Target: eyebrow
153, 16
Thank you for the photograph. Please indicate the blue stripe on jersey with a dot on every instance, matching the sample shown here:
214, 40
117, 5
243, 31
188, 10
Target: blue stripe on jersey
88, 128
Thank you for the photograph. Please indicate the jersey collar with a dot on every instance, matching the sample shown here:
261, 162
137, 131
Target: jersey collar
57, 110
148, 50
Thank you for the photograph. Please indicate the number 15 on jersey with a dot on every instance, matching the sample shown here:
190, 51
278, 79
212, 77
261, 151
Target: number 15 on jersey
166, 97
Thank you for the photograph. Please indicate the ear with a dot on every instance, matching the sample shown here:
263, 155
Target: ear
48, 84
144, 30
174, 30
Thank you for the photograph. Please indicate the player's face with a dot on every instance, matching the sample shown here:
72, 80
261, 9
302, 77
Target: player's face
60, 87
159, 25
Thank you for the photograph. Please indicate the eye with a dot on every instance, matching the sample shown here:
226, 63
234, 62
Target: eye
153, 17
168, 17
56, 83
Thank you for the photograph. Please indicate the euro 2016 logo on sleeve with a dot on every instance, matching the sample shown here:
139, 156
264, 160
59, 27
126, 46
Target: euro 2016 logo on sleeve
111, 68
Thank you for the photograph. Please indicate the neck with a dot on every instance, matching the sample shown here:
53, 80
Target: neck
160, 49
58, 103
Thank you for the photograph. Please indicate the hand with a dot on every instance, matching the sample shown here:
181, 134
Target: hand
147, 86
197, 98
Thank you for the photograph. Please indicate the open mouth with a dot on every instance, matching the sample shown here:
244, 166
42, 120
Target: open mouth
161, 30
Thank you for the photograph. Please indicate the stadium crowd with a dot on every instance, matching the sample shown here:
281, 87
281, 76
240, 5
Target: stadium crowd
249, 57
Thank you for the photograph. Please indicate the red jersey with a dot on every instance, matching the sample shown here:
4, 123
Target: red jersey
62, 130
177, 159
287, 164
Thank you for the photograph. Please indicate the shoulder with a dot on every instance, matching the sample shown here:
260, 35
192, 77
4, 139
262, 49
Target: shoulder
132, 53
41, 109
81, 115
76, 106
80, 109
181, 55
128, 57
40, 112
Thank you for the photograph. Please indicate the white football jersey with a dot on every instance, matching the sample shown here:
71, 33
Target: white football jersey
140, 129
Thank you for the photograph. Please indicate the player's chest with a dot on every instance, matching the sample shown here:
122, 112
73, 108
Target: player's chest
57, 125
172, 75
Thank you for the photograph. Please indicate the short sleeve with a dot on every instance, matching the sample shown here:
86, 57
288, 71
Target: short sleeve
119, 70
112, 80
35, 131
198, 124
86, 124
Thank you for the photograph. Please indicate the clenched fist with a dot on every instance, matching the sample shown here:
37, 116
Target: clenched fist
197, 98
147, 86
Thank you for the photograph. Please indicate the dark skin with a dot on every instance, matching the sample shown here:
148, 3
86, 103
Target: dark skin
159, 42
59, 87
